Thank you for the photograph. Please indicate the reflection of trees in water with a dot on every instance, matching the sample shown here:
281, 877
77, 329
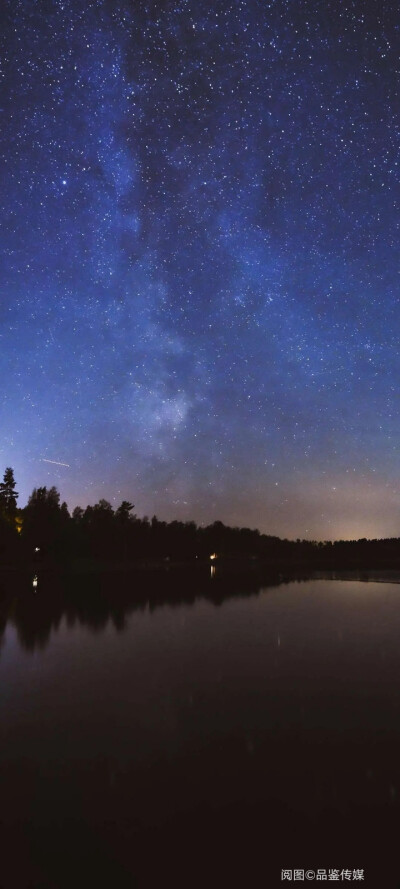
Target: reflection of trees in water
6, 603
94, 601
35, 619
3, 624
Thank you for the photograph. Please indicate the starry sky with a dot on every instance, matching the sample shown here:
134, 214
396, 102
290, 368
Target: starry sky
199, 259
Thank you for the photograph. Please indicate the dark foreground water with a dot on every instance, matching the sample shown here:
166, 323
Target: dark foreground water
192, 731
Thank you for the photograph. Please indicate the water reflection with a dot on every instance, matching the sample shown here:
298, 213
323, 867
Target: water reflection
235, 726
95, 601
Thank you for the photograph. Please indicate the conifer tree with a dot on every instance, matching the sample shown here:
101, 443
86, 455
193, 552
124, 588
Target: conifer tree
8, 494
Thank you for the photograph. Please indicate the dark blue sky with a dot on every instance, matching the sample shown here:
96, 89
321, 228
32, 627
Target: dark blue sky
200, 264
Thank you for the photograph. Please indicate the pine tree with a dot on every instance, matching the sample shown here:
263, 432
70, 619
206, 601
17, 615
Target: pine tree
8, 494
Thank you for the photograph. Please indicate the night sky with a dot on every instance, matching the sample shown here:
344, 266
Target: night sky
200, 259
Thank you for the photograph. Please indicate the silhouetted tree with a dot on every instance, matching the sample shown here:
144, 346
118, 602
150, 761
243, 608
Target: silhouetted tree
42, 499
64, 511
124, 523
98, 530
8, 494
45, 521
123, 512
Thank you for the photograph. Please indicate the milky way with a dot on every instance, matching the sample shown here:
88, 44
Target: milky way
200, 266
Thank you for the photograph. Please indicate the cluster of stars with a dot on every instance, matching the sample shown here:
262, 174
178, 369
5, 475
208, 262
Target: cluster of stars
199, 259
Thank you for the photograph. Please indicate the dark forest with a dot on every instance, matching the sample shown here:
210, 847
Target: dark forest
45, 532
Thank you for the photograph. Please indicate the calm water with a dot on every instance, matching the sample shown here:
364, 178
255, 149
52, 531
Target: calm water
198, 731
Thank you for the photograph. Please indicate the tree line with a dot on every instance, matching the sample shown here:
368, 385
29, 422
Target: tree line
45, 530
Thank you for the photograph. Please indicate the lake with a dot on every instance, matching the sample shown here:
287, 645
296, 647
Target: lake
198, 730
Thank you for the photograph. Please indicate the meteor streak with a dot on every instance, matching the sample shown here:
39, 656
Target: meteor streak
56, 462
